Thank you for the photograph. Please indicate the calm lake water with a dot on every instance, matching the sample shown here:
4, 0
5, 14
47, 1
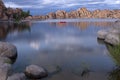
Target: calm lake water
69, 51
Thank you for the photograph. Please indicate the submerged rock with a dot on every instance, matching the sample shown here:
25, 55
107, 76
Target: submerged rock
35, 72
17, 76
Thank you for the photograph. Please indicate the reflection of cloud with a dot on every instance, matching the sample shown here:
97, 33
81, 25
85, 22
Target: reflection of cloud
35, 45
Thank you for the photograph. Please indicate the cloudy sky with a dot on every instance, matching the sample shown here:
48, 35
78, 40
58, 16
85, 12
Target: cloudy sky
63, 4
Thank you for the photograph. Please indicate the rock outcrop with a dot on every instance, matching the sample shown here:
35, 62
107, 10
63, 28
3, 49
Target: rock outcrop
2, 10
79, 13
111, 36
7, 53
8, 50
9, 13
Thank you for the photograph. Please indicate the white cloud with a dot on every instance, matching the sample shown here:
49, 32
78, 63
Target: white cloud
11, 4
112, 1
58, 3
14, 5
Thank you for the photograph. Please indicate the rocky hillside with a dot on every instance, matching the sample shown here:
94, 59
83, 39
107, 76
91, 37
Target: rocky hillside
79, 13
11, 14
2, 9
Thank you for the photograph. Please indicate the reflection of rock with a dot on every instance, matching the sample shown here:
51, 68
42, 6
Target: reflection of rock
83, 25
100, 41
6, 28
35, 72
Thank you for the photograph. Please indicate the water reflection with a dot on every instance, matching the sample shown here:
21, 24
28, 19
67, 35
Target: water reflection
7, 28
83, 25
69, 51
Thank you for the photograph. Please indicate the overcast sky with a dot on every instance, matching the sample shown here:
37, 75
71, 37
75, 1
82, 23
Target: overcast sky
49, 5
60, 3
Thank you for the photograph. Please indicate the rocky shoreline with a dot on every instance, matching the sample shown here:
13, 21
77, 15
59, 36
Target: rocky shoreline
8, 55
111, 36
9, 14
79, 13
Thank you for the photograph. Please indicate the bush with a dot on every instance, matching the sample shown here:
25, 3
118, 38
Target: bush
17, 17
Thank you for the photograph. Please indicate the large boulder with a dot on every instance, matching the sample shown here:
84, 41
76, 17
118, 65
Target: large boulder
5, 60
102, 14
51, 15
8, 50
60, 14
17, 76
113, 38
116, 13
102, 34
35, 72
73, 14
84, 13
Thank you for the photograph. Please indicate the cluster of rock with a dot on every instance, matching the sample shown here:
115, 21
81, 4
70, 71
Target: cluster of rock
8, 54
111, 36
79, 13
7, 13
32, 72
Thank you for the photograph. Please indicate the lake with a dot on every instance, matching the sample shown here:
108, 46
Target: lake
68, 51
